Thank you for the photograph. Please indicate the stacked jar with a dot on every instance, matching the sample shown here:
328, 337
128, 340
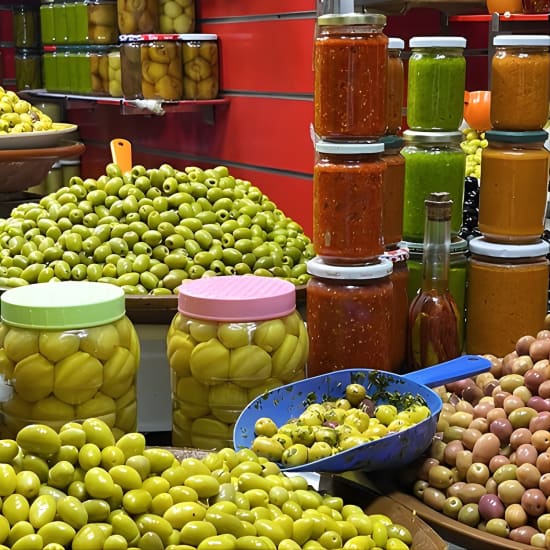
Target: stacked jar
434, 160
26, 37
508, 265
350, 295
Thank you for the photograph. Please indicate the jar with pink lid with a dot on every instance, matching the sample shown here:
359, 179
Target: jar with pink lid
233, 338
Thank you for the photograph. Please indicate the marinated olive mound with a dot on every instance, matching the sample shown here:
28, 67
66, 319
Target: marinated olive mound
218, 368
177, 16
489, 464
18, 115
331, 426
147, 230
79, 489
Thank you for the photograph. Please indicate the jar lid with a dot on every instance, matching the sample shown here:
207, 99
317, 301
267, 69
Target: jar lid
437, 42
536, 136
479, 245
458, 246
351, 19
521, 40
238, 298
395, 255
198, 36
148, 37
318, 268
348, 148
68, 162
392, 142
432, 137
395, 43
62, 305
48, 49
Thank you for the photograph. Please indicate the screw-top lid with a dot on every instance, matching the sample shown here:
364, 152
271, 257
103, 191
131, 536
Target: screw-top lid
521, 40
318, 268
395, 43
123, 38
437, 42
392, 142
432, 137
439, 206
239, 298
351, 19
62, 305
348, 148
483, 247
458, 246
535, 136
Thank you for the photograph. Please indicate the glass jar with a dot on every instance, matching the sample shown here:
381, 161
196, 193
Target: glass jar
458, 275
395, 86
69, 168
49, 68
28, 69
201, 73
349, 316
54, 109
507, 294
350, 65
177, 16
347, 202
54, 178
520, 82
392, 190
436, 83
232, 338
536, 6
400, 306
434, 162
151, 66
68, 352
61, 23
92, 22
512, 198
47, 22
26, 26
114, 73
138, 17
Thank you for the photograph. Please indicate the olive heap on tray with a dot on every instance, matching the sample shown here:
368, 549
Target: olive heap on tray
80, 488
489, 464
147, 230
19, 116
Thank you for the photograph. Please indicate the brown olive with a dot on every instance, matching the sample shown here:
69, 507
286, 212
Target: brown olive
543, 463
469, 437
542, 334
515, 515
485, 447
528, 475
478, 473
440, 477
454, 489
522, 364
482, 408
502, 428
496, 412
540, 349
490, 506
541, 440
434, 498
424, 469
507, 361
544, 389
510, 491
471, 492
519, 437
540, 422
463, 462
496, 365
533, 379
543, 366
497, 461
523, 343
544, 483
533, 502
419, 487
480, 424
523, 534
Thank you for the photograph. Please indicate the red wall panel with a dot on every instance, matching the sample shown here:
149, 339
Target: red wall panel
239, 8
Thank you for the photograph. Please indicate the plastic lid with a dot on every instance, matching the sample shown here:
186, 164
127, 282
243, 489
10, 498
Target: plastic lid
437, 42
198, 36
458, 246
62, 305
318, 268
392, 142
521, 40
536, 136
148, 37
396, 255
395, 44
48, 49
238, 298
351, 19
483, 247
432, 137
348, 148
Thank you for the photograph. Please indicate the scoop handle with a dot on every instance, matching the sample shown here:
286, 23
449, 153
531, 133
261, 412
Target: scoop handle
450, 371
121, 152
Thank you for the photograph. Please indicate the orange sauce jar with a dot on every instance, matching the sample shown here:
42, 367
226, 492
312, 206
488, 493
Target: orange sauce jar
512, 198
520, 82
507, 294
395, 85
350, 65
349, 316
347, 202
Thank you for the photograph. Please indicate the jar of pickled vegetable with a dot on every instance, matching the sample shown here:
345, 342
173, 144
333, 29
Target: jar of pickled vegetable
54, 178
67, 352
233, 338
350, 67
60, 22
92, 22
436, 83
434, 162
28, 69
138, 17
114, 73
47, 24
177, 16
392, 190
49, 68
349, 316
347, 202
507, 294
512, 199
395, 85
26, 26
201, 73
520, 82
151, 66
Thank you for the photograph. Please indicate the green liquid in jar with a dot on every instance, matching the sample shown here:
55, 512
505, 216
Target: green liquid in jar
47, 24
61, 29
435, 96
49, 68
77, 23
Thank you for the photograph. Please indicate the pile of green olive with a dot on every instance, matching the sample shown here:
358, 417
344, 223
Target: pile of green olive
19, 116
333, 426
489, 464
80, 488
147, 230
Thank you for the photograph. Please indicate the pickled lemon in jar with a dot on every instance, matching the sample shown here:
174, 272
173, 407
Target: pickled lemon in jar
233, 338
67, 352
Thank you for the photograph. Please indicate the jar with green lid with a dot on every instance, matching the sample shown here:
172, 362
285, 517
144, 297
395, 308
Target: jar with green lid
92, 22
47, 22
458, 274
67, 352
61, 23
233, 338
26, 26
434, 162
28, 69
177, 16
436, 83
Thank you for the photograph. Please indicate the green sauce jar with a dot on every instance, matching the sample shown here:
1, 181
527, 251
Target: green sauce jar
28, 69
61, 23
47, 26
436, 83
434, 162
26, 27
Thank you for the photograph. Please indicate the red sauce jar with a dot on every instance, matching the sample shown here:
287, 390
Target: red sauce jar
395, 85
347, 202
349, 316
350, 67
